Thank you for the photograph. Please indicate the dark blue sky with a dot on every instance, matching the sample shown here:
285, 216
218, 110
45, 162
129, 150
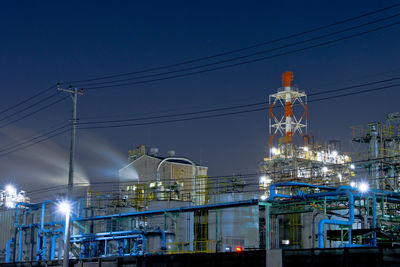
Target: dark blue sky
48, 41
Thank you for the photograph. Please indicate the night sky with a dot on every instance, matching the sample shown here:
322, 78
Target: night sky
45, 42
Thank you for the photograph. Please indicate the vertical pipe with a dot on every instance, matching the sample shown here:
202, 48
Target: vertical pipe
20, 246
53, 246
346, 223
8, 249
44, 247
32, 232
374, 218
143, 244
15, 245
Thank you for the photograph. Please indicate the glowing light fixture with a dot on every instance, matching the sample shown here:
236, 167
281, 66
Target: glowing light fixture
353, 184
238, 249
64, 207
352, 166
263, 197
274, 151
334, 153
363, 187
11, 190
325, 169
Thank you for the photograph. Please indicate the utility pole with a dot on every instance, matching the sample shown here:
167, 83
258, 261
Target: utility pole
74, 93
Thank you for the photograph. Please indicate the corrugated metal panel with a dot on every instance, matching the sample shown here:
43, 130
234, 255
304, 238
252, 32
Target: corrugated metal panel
6, 229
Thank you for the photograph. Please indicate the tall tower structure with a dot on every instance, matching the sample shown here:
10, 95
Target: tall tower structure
293, 119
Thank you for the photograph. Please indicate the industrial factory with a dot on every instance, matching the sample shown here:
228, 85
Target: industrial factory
307, 197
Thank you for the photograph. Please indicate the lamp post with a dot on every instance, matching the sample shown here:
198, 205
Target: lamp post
65, 207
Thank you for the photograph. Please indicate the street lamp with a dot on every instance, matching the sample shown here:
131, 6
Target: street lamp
65, 208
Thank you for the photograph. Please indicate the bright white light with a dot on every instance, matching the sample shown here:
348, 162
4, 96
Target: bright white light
274, 151
352, 166
11, 190
334, 153
340, 177
264, 180
10, 204
64, 207
305, 148
353, 184
325, 169
263, 197
363, 187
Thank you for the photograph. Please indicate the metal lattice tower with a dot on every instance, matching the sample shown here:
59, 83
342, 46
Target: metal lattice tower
293, 120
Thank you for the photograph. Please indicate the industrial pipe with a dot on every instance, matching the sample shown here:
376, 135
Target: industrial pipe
273, 195
8, 249
338, 222
181, 209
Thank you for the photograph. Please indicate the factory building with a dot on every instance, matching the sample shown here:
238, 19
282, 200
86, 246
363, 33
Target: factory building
173, 177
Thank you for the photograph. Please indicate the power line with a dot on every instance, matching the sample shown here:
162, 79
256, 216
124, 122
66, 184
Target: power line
249, 61
29, 107
27, 99
235, 106
240, 49
200, 117
32, 144
212, 182
232, 113
29, 140
245, 56
35, 111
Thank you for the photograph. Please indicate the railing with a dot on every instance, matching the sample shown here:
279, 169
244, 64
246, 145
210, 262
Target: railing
208, 246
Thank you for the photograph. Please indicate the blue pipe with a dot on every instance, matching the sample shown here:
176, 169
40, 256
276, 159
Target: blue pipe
273, 195
338, 222
181, 209
8, 250
108, 233
117, 237
53, 246
163, 240
20, 246
16, 210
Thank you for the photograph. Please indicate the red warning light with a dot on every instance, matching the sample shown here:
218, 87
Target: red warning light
239, 249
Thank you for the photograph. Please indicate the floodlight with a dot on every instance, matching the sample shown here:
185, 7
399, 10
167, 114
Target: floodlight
363, 187
11, 190
64, 207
